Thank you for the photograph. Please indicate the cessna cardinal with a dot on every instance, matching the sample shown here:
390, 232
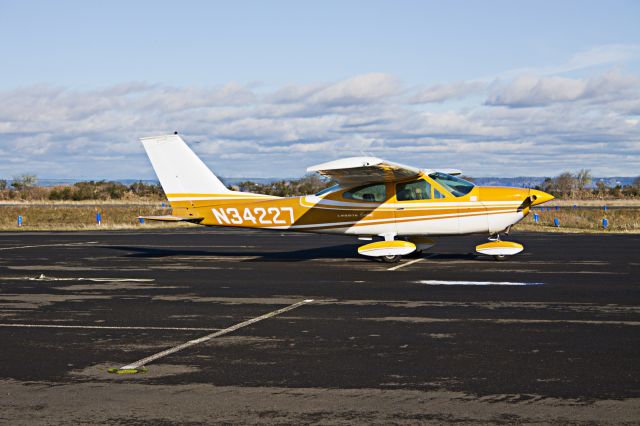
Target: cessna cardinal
395, 206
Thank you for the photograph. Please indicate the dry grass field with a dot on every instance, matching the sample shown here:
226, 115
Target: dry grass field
583, 220
595, 202
79, 217
82, 216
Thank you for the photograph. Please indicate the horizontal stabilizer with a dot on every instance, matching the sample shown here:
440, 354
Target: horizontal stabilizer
169, 218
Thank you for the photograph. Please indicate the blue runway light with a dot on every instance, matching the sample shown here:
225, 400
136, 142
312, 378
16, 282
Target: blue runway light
605, 207
99, 218
556, 222
536, 217
557, 208
605, 223
19, 220
141, 219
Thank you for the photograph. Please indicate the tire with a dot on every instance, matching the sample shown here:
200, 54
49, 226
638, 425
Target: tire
391, 259
500, 257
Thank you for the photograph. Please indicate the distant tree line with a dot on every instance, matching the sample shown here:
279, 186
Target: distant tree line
565, 185
306, 185
25, 188
579, 185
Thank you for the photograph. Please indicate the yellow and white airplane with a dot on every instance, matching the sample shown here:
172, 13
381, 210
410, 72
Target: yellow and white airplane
398, 206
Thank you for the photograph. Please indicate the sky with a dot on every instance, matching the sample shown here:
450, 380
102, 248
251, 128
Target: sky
266, 89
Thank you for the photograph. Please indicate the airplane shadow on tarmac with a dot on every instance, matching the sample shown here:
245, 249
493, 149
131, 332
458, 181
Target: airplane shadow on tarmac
344, 251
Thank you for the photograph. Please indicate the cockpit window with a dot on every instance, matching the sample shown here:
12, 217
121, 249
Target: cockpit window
438, 194
376, 193
327, 190
415, 190
458, 187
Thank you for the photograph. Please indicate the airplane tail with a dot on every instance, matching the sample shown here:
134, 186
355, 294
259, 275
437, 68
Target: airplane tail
186, 180
179, 169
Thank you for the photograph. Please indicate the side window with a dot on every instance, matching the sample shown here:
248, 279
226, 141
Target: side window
438, 194
376, 193
416, 190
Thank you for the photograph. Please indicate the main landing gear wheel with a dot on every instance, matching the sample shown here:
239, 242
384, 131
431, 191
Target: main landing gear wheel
500, 257
391, 259
388, 251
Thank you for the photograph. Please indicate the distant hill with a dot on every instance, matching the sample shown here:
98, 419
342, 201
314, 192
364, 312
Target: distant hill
533, 181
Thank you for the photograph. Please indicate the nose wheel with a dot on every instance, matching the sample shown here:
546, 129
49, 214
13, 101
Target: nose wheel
391, 258
498, 249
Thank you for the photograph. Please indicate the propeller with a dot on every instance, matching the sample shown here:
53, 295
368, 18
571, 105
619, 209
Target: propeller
527, 202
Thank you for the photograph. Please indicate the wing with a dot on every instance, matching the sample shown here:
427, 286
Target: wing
452, 172
361, 170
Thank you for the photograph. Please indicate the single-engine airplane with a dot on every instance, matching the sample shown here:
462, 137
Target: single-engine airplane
398, 206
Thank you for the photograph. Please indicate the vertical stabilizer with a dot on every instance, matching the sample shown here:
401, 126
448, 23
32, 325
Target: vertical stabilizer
179, 169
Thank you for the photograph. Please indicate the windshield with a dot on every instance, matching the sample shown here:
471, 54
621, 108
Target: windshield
458, 187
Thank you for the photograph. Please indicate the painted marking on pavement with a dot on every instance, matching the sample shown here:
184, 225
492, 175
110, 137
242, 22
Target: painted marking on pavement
49, 245
43, 277
144, 361
105, 327
411, 262
442, 282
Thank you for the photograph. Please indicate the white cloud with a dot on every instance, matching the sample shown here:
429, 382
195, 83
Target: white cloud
360, 89
445, 92
528, 125
598, 56
530, 90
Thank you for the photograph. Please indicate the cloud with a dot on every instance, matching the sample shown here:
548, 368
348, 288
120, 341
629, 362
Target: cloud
606, 55
446, 92
530, 90
600, 55
360, 89
526, 125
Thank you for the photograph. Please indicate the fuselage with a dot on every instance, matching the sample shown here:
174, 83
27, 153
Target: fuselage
432, 204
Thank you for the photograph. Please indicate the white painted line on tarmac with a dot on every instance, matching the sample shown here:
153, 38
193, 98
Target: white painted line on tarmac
443, 282
50, 245
104, 327
147, 360
43, 277
411, 262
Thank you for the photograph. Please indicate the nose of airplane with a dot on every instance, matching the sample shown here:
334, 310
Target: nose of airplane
539, 197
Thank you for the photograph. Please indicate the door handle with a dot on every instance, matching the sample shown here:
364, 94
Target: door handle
400, 208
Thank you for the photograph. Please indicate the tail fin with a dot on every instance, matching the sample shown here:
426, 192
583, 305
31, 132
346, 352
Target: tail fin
179, 169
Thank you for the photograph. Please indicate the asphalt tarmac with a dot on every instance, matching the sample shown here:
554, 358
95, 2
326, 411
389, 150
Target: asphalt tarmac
548, 336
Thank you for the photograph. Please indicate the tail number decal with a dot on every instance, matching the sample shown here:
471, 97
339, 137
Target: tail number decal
253, 216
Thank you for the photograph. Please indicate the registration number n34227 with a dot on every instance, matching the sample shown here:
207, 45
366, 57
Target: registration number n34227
253, 215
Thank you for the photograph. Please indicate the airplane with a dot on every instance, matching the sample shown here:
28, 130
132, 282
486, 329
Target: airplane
397, 208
